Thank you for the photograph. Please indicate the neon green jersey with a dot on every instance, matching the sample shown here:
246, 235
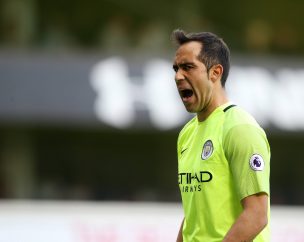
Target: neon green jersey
220, 161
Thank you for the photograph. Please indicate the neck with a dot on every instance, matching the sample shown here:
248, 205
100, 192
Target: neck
218, 99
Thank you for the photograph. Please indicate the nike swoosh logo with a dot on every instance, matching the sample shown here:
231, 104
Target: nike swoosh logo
183, 151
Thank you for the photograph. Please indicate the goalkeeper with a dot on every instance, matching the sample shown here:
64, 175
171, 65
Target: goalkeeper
223, 154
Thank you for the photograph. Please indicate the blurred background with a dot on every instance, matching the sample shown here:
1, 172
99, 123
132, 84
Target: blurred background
89, 114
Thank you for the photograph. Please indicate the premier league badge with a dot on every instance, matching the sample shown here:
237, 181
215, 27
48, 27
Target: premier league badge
256, 162
207, 149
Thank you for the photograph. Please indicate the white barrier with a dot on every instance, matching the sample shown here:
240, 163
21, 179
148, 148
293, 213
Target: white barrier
32, 221
264, 93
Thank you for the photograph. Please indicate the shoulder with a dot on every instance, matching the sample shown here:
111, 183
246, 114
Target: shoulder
240, 129
237, 115
243, 139
238, 118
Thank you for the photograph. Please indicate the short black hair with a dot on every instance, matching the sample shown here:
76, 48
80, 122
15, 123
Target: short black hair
214, 49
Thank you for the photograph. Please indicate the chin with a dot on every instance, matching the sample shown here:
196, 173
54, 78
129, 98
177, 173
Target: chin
190, 110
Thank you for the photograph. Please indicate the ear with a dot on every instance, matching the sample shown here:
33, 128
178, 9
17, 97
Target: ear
216, 72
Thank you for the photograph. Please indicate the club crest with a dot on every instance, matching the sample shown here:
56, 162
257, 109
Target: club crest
207, 149
256, 162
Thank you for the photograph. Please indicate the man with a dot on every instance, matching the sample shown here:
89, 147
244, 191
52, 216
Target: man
223, 154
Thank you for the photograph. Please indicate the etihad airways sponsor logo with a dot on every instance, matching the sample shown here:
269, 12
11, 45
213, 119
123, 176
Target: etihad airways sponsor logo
192, 182
198, 177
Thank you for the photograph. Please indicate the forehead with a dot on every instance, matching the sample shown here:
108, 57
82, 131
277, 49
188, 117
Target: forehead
188, 51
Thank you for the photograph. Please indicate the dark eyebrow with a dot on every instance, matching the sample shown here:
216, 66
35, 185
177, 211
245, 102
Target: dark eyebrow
182, 65
187, 64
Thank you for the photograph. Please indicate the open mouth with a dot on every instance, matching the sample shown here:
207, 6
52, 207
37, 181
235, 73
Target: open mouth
186, 93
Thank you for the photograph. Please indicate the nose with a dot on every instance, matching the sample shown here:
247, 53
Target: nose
179, 75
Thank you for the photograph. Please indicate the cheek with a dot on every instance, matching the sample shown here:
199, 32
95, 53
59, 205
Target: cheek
204, 86
205, 93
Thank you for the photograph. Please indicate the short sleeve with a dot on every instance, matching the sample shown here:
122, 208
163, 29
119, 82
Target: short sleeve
247, 151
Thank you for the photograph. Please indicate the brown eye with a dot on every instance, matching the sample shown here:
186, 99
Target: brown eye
187, 67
